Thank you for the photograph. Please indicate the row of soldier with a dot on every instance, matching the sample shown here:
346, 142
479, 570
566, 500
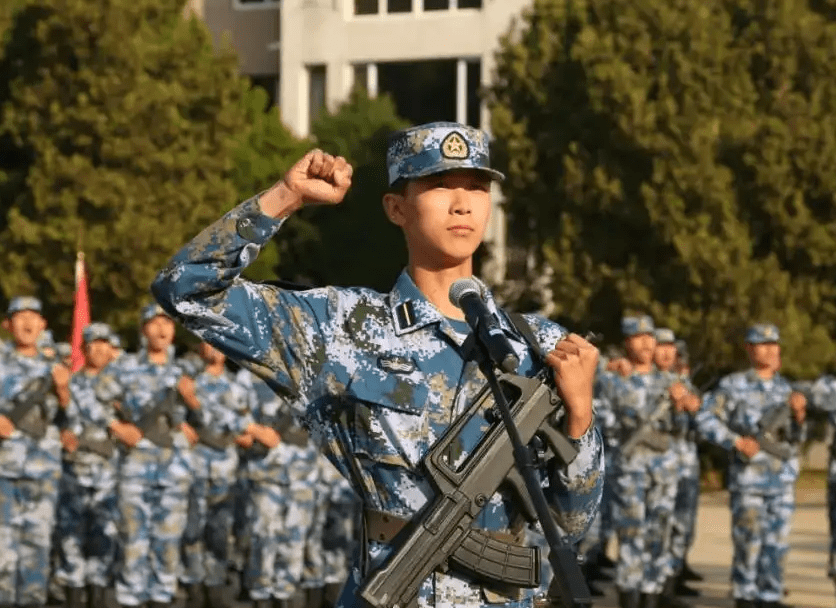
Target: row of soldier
145, 474
651, 417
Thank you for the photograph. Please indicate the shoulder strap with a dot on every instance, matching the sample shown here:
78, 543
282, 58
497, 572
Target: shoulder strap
524, 328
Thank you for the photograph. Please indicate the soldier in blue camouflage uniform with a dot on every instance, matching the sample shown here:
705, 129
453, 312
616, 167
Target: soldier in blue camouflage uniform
282, 473
223, 416
823, 397
154, 478
379, 377
761, 485
648, 401
30, 457
685, 445
87, 533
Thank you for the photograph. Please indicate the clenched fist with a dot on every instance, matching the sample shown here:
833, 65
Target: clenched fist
317, 178
574, 361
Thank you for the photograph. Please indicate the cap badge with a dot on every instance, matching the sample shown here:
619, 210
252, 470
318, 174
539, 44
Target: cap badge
455, 146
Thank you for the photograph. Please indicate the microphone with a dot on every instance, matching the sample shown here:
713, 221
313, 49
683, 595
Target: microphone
467, 295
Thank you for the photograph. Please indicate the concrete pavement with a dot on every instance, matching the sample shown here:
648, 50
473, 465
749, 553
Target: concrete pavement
806, 578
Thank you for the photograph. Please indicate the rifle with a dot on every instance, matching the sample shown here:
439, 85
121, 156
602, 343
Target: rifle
647, 435
155, 424
289, 432
33, 394
773, 434
205, 435
441, 536
88, 442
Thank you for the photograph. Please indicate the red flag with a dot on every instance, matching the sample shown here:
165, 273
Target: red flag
81, 313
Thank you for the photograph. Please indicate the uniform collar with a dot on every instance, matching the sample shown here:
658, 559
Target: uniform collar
411, 310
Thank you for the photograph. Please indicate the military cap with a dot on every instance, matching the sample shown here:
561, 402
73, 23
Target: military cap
115, 340
436, 147
632, 326
149, 311
664, 335
761, 333
21, 303
96, 331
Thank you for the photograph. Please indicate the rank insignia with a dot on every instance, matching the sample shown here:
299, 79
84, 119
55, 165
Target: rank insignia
455, 146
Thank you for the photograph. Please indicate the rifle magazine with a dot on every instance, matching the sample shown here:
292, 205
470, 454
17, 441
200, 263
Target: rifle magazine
489, 559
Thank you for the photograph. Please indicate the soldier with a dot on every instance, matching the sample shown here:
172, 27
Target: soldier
223, 415
763, 467
32, 388
637, 410
282, 473
823, 397
380, 377
685, 445
155, 468
87, 528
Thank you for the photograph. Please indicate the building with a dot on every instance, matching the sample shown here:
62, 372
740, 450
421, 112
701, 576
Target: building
431, 56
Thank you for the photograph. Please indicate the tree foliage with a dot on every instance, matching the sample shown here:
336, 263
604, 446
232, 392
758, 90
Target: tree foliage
678, 158
117, 125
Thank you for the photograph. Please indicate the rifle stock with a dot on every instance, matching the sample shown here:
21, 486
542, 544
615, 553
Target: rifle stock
441, 534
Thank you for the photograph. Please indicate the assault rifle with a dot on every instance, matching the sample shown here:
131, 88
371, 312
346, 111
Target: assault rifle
205, 435
773, 434
441, 536
647, 434
89, 442
33, 394
155, 424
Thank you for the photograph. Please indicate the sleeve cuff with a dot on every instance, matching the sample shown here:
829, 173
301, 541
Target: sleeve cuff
252, 225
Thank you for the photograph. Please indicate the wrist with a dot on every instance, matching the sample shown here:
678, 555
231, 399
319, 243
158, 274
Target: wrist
279, 201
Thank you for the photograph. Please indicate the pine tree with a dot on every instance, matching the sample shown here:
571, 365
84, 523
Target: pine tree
676, 158
117, 124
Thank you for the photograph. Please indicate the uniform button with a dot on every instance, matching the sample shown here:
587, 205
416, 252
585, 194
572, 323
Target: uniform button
246, 229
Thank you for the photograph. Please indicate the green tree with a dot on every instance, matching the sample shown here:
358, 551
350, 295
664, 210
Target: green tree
359, 245
117, 126
677, 158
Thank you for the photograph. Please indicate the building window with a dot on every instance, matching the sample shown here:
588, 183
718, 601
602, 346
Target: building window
470, 3
436, 5
365, 7
360, 76
399, 6
248, 4
316, 91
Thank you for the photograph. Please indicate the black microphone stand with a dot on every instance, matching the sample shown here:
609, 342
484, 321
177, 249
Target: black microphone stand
567, 575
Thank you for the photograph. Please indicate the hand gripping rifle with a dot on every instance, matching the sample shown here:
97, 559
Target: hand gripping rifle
441, 537
33, 394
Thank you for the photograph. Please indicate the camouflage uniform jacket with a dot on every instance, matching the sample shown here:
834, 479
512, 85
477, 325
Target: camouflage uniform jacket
88, 417
378, 377
21, 455
823, 397
734, 409
137, 384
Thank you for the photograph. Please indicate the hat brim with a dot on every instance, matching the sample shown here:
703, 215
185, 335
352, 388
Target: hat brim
495, 175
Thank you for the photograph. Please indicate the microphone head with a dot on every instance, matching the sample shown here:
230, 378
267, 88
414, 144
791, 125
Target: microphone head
461, 287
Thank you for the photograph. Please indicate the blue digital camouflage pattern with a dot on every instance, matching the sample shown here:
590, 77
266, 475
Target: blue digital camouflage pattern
96, 331
664, 335
153, 482
30, 469
19, 303
87, 534
688, 484
761, 488
644, 480
633, 326
437, 147
376, 386
762, 333
282, 483
823, 397
224, 409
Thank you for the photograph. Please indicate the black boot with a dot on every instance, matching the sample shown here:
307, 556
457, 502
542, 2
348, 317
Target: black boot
219, 596
315, 597
262, 603
195, 596
682, 589
738, 603
73, 597
689, 574
605, 562
96, 596
628, 598
159, 604
774, 605
668, 599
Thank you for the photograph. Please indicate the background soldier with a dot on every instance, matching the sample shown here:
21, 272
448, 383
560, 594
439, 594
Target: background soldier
222, 416
30, 456
761, 484
823, 397
156, 467
645, 470
87, 528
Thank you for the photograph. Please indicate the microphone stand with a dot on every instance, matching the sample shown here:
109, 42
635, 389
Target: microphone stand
567, 575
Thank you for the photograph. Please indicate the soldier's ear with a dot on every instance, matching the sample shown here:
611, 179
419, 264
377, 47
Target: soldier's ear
393, 206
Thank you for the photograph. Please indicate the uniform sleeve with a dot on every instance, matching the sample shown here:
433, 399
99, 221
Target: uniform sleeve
823, 394
273, 332
712, 418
